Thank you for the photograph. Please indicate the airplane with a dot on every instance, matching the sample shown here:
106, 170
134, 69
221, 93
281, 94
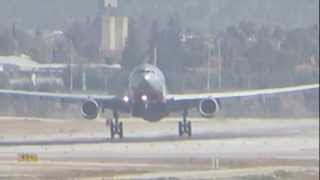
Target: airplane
148, 99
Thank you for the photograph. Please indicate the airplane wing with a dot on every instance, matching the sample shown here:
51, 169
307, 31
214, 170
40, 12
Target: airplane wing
104, 100
191, 100
175, 102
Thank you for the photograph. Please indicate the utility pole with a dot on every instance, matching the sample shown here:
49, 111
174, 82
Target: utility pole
107, 72
209, 45
71, 64
84, 78
220, 66
208, 70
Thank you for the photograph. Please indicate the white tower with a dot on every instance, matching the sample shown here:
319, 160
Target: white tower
114, 28
103, 4
114, 33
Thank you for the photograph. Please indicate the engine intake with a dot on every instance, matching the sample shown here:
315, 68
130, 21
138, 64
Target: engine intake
208, 107
90, 109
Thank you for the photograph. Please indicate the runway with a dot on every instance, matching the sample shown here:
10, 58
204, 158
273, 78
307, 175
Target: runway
83, 149
201, 133
162, 138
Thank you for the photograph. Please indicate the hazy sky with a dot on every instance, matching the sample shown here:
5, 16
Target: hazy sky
44, 13
54, 13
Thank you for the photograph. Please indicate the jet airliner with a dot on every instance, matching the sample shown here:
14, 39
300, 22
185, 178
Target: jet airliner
148, 99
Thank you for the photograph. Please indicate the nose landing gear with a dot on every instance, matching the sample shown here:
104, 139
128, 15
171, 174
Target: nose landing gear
185, 126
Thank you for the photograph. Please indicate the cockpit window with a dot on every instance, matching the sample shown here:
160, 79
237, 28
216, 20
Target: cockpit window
146, 71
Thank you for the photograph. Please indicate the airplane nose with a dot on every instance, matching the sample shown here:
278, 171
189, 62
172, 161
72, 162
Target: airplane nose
147, 77
148, 80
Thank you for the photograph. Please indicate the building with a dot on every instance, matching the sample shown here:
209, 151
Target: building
24, 73
114, 29
107, 4
17, 63
114, 34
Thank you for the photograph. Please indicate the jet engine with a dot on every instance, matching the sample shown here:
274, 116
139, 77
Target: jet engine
90, 109
208, 107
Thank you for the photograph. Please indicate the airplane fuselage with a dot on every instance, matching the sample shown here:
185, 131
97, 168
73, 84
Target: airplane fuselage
147, 93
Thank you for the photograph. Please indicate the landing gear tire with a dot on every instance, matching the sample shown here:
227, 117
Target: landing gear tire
116, 127
185, 127
120, 130
180, 129
189, 129
112, 133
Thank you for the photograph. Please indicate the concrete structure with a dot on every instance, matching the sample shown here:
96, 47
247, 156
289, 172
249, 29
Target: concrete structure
21, 63
114, 34
28, 74
25, 64
114, 29
107, 4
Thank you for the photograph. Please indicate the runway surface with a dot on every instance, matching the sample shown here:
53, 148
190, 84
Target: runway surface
83, 150
248, 133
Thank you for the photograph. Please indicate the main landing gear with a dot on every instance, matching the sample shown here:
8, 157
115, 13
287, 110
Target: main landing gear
185, 127
116, 127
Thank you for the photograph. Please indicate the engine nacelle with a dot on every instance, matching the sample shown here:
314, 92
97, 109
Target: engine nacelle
90, 109
208, 107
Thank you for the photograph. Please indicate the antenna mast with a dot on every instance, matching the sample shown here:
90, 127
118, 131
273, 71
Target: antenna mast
155, 58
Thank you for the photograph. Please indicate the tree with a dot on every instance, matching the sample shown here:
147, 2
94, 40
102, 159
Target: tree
40, 50
7, 43
169, 50
132, 54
